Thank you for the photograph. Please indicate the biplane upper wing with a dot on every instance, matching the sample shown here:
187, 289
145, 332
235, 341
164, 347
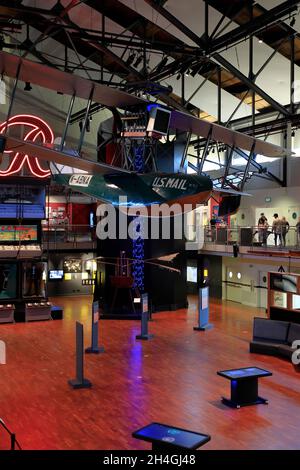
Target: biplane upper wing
64, 82
206, 129
71, 84
49, 154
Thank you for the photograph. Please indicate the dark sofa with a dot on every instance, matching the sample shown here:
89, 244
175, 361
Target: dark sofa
274, 337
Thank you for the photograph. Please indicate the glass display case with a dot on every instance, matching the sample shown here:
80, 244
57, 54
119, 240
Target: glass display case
34, 279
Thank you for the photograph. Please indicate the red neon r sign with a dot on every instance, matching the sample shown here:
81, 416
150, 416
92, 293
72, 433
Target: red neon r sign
37, 129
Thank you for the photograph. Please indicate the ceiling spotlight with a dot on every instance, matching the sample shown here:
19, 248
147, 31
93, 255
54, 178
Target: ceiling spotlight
260, 40
293, 134
80, 125
292, 22
178, 76
87, 128
27, 86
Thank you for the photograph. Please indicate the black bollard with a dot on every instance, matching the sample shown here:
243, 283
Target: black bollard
79, 381
95, 348
144, 319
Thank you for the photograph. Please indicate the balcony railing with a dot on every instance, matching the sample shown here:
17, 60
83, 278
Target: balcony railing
207, 237
68, 237
249, 236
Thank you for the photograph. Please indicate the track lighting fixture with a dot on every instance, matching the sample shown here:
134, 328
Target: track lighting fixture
138, 61
130, 58
161, 64
88, 125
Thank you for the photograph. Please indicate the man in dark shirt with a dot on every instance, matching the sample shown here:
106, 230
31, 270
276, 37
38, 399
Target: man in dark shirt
276, 229
262, 229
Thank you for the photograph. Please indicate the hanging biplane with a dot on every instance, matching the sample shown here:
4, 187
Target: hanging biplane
108, 183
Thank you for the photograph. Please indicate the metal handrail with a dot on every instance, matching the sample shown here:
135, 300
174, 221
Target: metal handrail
71, 235
246, 235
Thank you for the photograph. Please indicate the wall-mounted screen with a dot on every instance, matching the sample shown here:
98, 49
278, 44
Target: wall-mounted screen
16, 233
56, 274
8, 281
191, 274
283, 282
159, 120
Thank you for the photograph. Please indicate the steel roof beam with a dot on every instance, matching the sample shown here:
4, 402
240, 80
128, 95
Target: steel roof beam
200, 42
254, 26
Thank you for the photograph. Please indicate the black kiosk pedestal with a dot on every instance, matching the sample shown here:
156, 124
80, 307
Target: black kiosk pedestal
244, 386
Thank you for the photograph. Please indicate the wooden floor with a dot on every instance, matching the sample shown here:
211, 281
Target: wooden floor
171, 379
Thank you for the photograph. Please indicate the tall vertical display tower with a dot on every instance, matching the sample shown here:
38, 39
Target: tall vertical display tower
23, 183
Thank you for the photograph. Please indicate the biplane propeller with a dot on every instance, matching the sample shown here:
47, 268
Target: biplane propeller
112, 184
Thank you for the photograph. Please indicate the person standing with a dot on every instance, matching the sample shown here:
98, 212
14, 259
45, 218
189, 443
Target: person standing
213, 223
262, 229
284, 229
276, 229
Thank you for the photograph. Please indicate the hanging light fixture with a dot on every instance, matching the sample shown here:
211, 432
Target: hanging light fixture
27, 86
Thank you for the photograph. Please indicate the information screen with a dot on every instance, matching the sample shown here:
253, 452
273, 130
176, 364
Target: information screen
174, 436
15, 233
283, 282
59, 274
244, 372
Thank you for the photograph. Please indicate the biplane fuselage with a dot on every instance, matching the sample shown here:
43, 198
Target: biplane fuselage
135, 190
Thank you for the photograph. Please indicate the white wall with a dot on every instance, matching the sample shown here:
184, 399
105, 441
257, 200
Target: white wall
285, 201
249, 292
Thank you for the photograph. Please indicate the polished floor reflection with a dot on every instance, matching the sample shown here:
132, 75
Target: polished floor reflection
171, 379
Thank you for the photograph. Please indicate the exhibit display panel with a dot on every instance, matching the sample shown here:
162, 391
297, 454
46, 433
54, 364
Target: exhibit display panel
191, 274
34, 279
16, 233
284, 296
8, 281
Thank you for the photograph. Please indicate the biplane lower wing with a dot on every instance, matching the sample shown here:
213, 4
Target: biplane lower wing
49, 154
